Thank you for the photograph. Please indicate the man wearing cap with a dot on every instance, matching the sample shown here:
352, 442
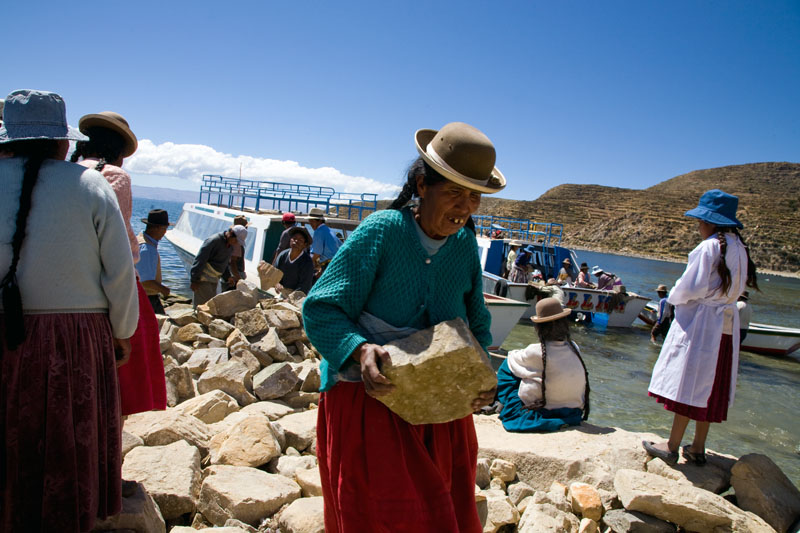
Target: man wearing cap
288, 221
564, 277
663, 317
149, 265
326, 244
212, 261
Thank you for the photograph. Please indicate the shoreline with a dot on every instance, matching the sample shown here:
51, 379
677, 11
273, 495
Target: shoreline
652, 257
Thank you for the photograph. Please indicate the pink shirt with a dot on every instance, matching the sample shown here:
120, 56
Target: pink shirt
120, 182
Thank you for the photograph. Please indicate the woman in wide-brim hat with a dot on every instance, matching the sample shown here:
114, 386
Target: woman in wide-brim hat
544, 386
522, 263
695, 374
69, 298
404, 269
142, 383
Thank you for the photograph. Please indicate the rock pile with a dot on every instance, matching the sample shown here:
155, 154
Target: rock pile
236, 449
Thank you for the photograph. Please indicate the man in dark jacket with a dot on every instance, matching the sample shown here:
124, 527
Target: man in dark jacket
212, 261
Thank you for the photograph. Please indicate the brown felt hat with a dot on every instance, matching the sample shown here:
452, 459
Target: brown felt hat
549, 309
662, 288
462, 154
114, 122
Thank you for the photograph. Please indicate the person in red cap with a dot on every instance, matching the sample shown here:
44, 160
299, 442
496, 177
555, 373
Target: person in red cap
288, 223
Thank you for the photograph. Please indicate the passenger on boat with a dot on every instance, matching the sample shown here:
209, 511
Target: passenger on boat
519, 272
326, 244
564, 276
237, 255
69, 302
403, 269
545, 386
745, 314
149, 266
584, 281
605, 280
513, 246
295, 263
663, 315
695, 375
212, 263
289, 221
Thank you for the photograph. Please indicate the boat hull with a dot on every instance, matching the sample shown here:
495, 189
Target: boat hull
506, 313
771, 340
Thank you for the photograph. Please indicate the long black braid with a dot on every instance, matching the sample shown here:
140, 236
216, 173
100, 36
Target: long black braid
104, 144
722, 267
35, 152
558, 330
752, 278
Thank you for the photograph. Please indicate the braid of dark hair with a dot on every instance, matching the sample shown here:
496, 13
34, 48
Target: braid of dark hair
12, 299
586, 390
418, 168
406, 194
722, 266
100, 164
78, 153
752, 280
544, 372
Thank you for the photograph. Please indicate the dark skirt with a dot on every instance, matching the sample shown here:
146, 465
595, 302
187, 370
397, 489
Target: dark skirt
60, 462
141, 380
717, 408
380, 473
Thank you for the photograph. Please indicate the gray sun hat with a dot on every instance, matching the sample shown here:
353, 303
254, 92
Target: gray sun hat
30, 115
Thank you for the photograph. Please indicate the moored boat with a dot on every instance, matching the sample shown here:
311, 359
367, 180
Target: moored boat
505, 315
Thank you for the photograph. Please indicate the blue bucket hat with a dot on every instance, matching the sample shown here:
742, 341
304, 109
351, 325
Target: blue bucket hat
530, 249
718, 208
30, 115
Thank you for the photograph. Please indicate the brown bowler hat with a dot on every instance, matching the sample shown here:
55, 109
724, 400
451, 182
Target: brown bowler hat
114, 122
549, 309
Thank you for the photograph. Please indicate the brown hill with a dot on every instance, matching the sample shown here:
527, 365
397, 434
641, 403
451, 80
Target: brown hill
651, 222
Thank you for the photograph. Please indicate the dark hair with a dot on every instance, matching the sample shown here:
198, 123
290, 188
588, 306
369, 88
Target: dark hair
105, 144
34, 152
558, 330
722, 268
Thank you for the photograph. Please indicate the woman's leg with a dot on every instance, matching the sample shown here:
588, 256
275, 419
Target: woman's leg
679, 424
700, 434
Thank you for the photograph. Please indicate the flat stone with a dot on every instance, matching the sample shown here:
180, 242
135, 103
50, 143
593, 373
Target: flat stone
300, 429
303, 516
171, 475
300, 399
139, 513
270, 348
205, 357
249, 442
501, 511
229, 303
290, 336
178, 381
243, 493
203, 316
281, 319
692, 508
714, 476
445, 365
247, 358
622, 521
180, 352
181, 316
231, 377
271, 409
210, 407
268, 275
762, 488
251, 322
546, 518
274, 381
189, 332
585, 501
219, 328
159, 428
519, 491
129, 442
309, 481
236, 337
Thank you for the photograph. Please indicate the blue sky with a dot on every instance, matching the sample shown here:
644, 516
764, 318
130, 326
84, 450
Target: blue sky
623, 94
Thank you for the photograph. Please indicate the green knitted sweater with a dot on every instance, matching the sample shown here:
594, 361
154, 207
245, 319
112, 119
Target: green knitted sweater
383, 269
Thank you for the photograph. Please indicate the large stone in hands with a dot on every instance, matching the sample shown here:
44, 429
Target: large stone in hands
437, 373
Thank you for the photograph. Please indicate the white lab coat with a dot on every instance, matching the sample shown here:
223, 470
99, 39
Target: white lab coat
686, 365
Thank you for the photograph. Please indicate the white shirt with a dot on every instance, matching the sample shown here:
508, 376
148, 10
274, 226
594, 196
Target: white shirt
566, 379
745, 314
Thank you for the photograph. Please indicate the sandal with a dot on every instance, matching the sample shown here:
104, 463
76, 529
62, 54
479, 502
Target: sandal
698, 459
668, 457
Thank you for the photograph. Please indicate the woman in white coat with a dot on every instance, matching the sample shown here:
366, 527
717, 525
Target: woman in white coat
695, 375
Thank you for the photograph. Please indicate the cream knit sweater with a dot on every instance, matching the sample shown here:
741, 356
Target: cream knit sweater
75, 257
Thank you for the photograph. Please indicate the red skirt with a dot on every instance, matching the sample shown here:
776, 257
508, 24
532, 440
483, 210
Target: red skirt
382, 474
141, 380
60, 429
717, 408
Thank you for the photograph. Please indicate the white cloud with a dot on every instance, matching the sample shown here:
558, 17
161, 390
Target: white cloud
191, 161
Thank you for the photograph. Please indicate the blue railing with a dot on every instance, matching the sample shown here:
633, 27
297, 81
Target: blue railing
257, 195
547, 233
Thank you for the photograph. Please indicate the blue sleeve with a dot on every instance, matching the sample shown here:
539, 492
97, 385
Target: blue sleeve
148, 263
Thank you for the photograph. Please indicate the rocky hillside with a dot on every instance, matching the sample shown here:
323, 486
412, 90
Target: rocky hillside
651, 222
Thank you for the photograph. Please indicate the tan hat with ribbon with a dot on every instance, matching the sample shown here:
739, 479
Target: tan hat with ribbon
462, 154
115, 122
549, 309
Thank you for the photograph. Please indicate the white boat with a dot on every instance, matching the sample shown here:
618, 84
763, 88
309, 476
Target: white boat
762, 339
505, 315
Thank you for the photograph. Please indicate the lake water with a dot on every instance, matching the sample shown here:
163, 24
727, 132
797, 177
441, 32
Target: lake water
764, 416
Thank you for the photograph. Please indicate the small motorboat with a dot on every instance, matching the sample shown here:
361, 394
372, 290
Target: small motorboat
505, 315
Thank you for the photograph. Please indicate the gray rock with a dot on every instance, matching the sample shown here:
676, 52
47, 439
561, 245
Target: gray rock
219, 328
290, 336
309, 481
622, 521
231, 377
249, 442
544, 518
181, 315
288, 465
230, 302
251, 322
482, 476
205, 338
205, 357
179, 382
762, 488
210, 407
274, 381
501, 511
303, 516
169, 330
180, 352
445, 365
300, 400
243, 493
164, 344
130, 442
247, 358
158, 428
281, 319
216, 343
139, 513
270, 347
519, 491
300, 429
171, 475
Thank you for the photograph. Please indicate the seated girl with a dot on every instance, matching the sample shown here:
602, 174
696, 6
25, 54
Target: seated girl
545, 386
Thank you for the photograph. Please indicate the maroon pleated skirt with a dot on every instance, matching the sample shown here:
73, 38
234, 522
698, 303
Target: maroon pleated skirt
141, 380
717, 408
60, 430
382, 474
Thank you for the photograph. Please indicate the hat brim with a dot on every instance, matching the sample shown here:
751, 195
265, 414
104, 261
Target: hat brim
562, 314
153, 224
30, 133
103, 121
712, 217
496, 182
